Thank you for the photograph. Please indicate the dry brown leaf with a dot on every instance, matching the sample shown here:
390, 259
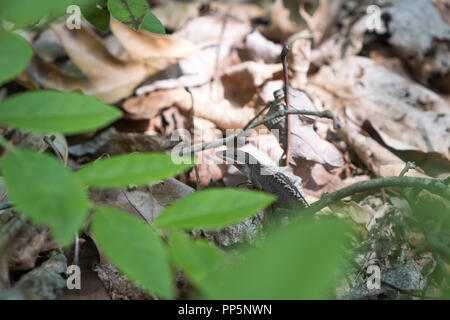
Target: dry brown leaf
422, 38
259, 49
143, 202
205, 131
106, 76
378, 159
241, 81
317, 180
406, 115
359, 214
299, 60
225, 31
45, 282
143, 45
175, 14
111, 78
112, 142
216, 36
222, 113
375, 157
196, 70
281, 26
322, 18
306, 144
24, 249
348, 42
240, 11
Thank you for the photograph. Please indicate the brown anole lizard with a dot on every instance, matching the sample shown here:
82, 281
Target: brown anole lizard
267, 179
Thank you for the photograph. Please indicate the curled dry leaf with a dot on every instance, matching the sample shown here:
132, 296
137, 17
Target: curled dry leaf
216, 36
375, 157
306, 144
193, 71
259, 49
106, 76
418, 118
378, 159
175, 14
143, 45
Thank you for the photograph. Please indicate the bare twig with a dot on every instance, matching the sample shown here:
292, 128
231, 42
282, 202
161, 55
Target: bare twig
197, 174
284, 53
409, 165
197, 178
281, 113
257, 116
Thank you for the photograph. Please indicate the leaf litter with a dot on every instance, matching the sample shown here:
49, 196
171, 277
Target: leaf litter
388, 89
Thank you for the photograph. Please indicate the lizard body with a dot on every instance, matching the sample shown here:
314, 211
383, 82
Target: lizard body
267, 179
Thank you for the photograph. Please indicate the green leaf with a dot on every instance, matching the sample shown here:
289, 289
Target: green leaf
52, 111
300, 261
151, 23
213, 208
15, 54
96, 15
23, 13
134, 249
129, 12
199, 259
46, 192
135, 168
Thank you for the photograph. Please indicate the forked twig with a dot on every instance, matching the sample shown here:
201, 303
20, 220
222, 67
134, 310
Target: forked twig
281, 113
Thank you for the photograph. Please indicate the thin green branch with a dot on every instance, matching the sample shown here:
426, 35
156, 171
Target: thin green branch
432, 185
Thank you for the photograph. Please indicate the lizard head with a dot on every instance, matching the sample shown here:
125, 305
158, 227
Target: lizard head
240, 159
